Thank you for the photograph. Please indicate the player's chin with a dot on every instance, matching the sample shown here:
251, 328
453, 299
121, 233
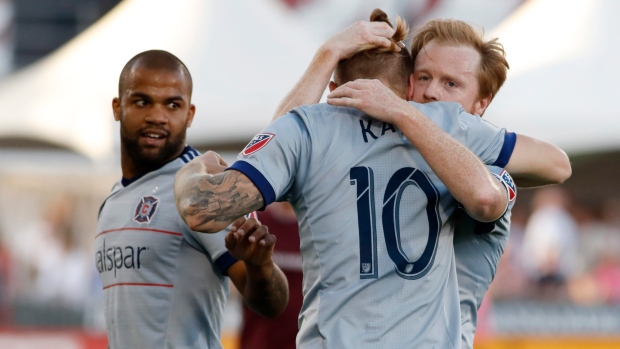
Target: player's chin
152, 156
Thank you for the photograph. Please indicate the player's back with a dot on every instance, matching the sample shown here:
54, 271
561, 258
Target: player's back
375, 237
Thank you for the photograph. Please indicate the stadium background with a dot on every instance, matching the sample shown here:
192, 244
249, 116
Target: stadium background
59, 62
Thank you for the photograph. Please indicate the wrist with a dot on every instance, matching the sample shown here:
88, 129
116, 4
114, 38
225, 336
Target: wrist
328, 54
405, 114
260, 271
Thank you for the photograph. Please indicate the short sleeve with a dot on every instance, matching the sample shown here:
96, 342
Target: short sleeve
213, 245
272, 158
493, 145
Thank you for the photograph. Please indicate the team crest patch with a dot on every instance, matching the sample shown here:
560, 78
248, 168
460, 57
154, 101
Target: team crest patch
510, 183
146, 209
257, 143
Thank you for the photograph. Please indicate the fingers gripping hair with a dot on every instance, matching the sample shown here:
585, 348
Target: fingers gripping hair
392, 65
400, 33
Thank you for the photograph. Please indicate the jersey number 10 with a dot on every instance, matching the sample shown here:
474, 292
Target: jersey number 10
363, 178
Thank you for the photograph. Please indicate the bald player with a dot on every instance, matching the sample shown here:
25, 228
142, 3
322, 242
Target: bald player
165, 286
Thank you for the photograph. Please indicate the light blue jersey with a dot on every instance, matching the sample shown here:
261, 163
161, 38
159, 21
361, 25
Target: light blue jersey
376, 238
163, 284
478, 248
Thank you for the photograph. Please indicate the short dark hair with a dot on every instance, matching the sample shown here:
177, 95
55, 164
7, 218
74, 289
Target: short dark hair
155, 60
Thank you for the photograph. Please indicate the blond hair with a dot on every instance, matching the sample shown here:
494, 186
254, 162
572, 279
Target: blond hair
388, 64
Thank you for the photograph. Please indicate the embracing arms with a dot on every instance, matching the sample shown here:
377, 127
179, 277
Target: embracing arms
535, 163
463, 173
549, 166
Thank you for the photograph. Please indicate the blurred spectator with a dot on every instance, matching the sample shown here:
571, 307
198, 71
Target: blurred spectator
607, 271
261, 333
6, 284
550, 243
59, 270
598, 280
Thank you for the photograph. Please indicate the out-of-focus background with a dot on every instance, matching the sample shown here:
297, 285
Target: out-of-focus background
558, 284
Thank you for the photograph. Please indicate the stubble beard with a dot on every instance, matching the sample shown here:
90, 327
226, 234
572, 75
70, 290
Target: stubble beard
149, 158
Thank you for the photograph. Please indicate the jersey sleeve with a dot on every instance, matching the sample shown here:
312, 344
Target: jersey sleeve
212, 245
493, 145
271, 159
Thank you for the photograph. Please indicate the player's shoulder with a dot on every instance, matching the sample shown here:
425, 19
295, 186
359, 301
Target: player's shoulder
188, 154
439, 109
320, 116
324, 110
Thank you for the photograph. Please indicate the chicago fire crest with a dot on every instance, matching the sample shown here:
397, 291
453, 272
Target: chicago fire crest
146, 209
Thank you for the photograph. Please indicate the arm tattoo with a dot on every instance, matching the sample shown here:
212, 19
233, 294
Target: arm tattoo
223, 197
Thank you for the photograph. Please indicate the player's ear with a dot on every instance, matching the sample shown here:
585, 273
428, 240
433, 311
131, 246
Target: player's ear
411, 86
116, 108
190, 115
332, 86
481, 105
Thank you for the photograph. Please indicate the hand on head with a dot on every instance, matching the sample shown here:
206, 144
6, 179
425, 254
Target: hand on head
370, 96
360, 36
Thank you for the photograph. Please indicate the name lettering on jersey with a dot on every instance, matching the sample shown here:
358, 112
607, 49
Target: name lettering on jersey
257, 143
366, 131
146, 209
114, 258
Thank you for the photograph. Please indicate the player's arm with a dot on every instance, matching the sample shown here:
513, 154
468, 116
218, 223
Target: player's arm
209, 200
357, 37
463, 173
258, 279
549, 165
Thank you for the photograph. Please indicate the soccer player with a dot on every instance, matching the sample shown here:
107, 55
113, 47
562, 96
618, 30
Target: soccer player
453, 62
372, 207
165, 286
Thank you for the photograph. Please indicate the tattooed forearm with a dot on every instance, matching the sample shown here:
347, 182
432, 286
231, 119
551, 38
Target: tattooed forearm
209, 203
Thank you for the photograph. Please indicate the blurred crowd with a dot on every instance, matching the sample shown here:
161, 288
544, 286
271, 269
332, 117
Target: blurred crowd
559, 251
47, 271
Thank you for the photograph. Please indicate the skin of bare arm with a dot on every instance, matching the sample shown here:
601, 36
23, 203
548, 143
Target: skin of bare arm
550, 165
472, 185
209, 200
357, 37
258, 279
